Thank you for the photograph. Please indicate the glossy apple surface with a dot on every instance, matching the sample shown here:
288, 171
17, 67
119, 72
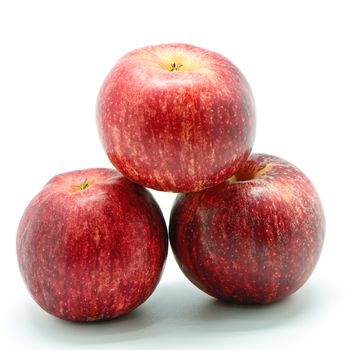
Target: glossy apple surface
91, 245
255, 238
176, 117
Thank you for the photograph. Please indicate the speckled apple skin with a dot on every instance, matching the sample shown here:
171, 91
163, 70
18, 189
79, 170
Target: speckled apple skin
176, 131
251, 241
91, 254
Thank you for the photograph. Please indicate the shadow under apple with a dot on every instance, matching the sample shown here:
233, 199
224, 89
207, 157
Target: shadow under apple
178, 309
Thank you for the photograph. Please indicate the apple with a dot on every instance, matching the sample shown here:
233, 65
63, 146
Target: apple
91, 245
253, 239
176, 117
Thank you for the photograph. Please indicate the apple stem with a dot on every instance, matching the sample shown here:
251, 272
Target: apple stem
84, 185
233, 178
174, 66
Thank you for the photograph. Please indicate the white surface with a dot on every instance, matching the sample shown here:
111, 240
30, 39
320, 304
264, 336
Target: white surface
54, 56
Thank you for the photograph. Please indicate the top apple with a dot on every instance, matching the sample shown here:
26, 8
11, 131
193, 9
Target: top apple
176, 117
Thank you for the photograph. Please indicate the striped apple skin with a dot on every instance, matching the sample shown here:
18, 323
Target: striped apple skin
253, 239
91, 245
176, 130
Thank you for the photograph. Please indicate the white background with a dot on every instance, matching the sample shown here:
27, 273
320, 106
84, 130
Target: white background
296, 56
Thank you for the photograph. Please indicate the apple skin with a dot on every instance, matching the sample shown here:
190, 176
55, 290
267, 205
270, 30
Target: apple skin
176, 129
91, 253
253, 239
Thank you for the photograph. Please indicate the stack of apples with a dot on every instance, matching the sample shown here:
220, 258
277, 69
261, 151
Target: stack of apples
245, 228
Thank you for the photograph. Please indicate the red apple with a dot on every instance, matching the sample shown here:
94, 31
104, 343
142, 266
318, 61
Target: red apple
91, 245
255, 238
176, 117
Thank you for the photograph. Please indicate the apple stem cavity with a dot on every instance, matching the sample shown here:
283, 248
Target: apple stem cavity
84, 185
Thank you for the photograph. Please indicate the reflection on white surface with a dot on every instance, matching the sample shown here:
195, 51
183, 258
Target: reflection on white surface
177, 313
